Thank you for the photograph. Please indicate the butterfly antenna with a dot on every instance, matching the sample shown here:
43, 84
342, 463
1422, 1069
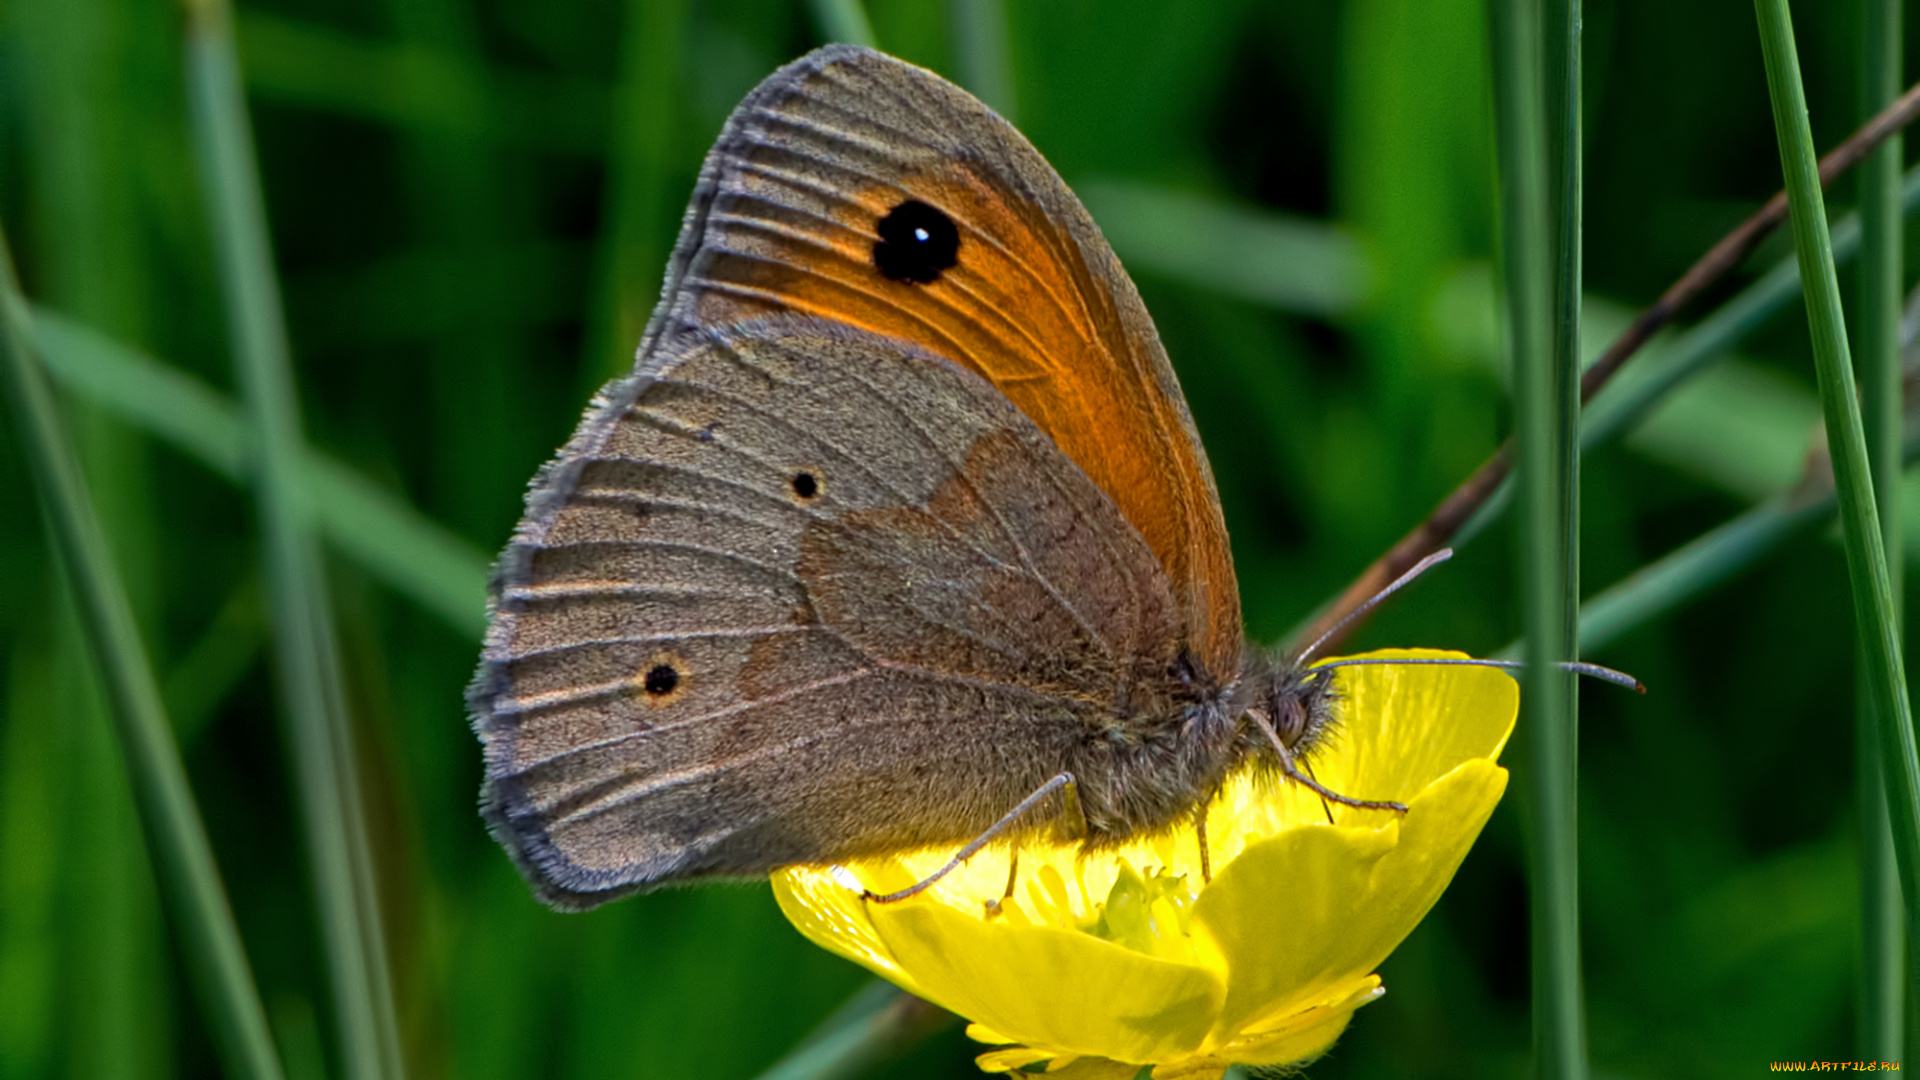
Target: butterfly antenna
1324, 804
1577, 667
1373, 601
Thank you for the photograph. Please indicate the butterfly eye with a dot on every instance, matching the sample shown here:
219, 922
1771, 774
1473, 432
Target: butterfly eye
917, 243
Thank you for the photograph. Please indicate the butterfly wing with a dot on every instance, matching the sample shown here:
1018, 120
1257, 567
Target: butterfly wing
808, 191
796, 592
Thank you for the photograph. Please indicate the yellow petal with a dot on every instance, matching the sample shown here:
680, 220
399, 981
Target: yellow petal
1093, 1068
1052, 989
1191, 1069
1397, 729
981, 1033
1300, 1038
1403, 726
834, 917
1011, 1058
1303, 917
1266, 966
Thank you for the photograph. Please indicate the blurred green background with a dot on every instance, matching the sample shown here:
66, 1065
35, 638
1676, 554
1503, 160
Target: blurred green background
471, 201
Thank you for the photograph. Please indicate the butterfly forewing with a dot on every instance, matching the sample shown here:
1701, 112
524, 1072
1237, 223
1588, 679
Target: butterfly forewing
792, 215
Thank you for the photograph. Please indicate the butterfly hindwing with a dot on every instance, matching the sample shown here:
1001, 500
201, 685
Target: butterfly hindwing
788, 575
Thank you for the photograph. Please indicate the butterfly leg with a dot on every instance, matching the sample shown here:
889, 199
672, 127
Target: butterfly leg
1324, 804
1071, 809
1064, 780
1293, 773
1200, 830
1013, 875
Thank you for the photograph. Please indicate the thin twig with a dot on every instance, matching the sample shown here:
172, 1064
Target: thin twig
1460, 505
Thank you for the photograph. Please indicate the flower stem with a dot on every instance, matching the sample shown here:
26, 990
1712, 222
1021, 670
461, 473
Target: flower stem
1878, 629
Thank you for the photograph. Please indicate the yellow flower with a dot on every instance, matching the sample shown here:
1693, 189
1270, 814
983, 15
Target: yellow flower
1102, 963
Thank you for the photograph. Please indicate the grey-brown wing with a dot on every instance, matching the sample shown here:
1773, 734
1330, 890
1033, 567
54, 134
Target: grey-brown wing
798, 593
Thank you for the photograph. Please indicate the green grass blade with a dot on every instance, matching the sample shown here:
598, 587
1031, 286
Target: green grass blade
1879, 641
1684, 574
152, 396
1883, 978
641, 204
981, 57
1560, 60
1546, 405
313, 698
371, 526
875, 1025
1679, 577
843, 20
199, 681
419, 89
1293, 264
1642, 386
175, 832
395, 543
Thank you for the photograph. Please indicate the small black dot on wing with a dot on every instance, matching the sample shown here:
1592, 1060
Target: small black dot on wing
662, 680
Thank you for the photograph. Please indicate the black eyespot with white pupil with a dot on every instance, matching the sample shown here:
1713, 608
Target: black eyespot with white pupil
662, 679
917, 243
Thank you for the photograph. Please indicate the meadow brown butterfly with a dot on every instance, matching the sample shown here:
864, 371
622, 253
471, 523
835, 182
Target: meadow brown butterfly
900, 517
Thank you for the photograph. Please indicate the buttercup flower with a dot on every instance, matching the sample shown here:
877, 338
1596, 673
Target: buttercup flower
1103, 963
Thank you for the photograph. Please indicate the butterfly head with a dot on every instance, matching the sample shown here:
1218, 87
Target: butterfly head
1296, 701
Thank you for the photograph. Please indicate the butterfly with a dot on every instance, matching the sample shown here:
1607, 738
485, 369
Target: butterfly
899, 520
